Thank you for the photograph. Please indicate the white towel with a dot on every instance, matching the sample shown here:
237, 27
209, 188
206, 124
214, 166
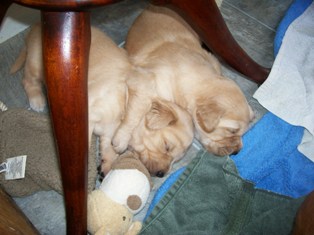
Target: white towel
288, 92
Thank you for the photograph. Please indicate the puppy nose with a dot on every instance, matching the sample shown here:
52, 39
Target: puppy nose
160, 174
237, 150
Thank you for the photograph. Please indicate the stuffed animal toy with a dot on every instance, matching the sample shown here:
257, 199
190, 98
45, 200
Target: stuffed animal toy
123, 193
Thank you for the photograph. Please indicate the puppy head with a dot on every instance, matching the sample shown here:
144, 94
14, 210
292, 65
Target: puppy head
221, 120
162, 137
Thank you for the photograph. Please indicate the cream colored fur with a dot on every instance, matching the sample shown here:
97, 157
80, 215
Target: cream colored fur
167, 134
171, 64
107, 73
164, 130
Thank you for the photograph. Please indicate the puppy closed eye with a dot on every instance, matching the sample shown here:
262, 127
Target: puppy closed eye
167, 147
233, 130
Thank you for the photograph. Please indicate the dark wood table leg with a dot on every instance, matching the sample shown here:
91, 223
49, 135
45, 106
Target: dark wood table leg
12, 219
205, 18
4, 5
66, 42
304, 221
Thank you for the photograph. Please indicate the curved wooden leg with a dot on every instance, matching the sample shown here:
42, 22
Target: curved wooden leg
12, 218
205, 18
4, 5
66, 42
304, 221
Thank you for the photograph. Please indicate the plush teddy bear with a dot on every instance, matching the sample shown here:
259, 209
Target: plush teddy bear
123, 193
106, 216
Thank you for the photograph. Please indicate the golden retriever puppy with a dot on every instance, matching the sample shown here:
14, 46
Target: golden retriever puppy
165, 133
165, 130
107, 89
169, 57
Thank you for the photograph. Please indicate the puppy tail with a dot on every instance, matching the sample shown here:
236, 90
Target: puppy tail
18, 64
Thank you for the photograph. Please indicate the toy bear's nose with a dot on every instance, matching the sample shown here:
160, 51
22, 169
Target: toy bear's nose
134, 202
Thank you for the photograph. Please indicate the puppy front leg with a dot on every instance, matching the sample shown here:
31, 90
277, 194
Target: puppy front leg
108, 155
138, 105
33, 86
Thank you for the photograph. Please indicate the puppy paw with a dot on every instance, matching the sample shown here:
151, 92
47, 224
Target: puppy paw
120, 141
108, 156
38, 103
104, 168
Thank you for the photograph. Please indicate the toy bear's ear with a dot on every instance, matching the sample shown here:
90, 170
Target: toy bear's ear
134, 202
135, 228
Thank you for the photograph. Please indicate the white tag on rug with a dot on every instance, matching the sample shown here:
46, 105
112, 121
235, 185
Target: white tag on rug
14, 167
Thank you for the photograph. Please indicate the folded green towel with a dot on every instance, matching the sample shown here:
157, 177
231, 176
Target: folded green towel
210, 198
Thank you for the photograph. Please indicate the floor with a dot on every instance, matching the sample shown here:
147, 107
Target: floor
253, 24
17, 19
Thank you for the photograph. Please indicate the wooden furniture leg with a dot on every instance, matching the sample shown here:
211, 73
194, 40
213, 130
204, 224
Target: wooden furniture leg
12, 219
66, 43
304, 221
4, 5
205, 18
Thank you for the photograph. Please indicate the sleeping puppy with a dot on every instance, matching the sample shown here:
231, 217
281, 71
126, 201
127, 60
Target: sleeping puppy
107, 90
163, 136
169, 57
159, 139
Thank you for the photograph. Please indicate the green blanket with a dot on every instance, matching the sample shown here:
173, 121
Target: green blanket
210, 198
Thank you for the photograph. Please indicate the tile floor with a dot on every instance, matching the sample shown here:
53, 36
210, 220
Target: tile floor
252, 22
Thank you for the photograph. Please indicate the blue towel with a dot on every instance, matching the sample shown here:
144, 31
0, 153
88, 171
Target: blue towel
270, 158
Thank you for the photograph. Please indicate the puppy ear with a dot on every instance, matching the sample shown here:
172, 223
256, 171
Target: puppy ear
208, 114
160, 116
